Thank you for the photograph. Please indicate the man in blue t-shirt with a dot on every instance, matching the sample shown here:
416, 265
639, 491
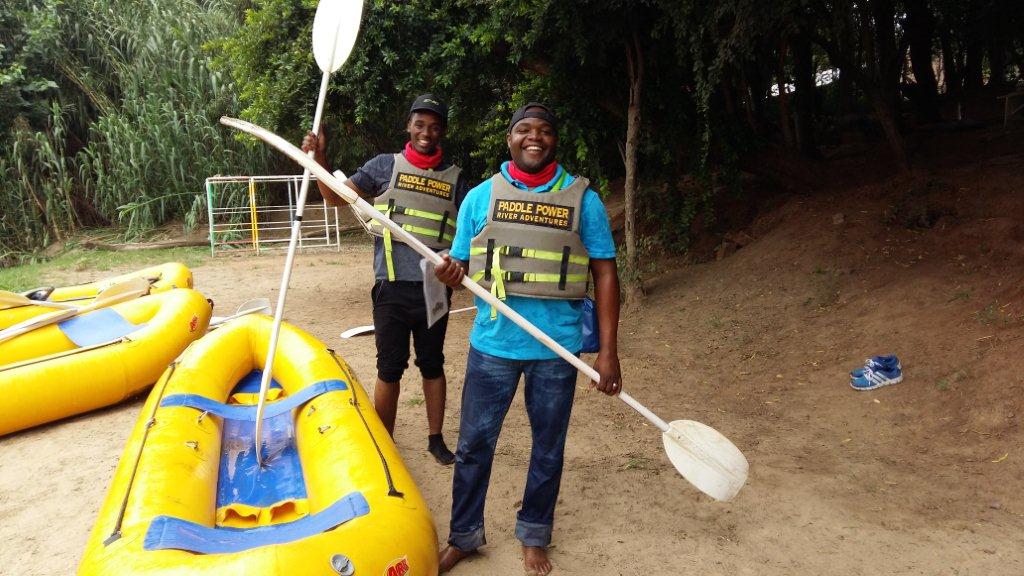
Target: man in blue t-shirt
532, 232
410, 186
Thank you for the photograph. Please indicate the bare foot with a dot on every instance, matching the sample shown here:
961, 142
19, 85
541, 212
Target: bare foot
535, 560
451, 556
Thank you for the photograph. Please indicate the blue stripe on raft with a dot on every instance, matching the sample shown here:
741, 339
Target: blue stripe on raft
97, 327
250, 383
237, 412
242, 480
174, 533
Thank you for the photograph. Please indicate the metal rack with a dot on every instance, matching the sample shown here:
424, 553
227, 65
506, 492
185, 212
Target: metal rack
267, 227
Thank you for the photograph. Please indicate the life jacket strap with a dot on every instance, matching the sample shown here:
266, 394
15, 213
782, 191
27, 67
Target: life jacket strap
390, 209
520, 252
399, 209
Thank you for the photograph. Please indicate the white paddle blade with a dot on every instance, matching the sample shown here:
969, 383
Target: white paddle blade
335, 28
254, 306
706, 458
261, 305
357, 331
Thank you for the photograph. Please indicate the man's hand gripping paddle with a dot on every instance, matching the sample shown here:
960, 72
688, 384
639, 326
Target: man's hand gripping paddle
335, 28
700, 453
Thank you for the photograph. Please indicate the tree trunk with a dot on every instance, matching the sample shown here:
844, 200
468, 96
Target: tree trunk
920, 30
803, 72
997, 63
887, 67
847, 82
635, 63
728, 95
882, 103
1000, 41
748, 103
950, 65
875, 68
754, 87
785, 120
974, 48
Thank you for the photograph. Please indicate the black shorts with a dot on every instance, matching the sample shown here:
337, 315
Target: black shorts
398, 311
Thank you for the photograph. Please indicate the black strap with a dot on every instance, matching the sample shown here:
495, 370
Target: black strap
391, 207
489, 260
442, 227
514, 251
354, 401
564, 268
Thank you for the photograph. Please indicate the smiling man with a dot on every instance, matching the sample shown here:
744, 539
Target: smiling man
533, 234
420, 191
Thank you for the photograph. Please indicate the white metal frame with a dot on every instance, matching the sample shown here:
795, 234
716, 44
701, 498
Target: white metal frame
258, 228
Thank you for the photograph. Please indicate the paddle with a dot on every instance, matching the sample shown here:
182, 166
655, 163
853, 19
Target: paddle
368, 329
120, 292
11, 300
335, 28
256, 305
705, 457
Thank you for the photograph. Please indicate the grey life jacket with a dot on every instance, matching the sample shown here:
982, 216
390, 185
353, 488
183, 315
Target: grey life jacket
422, 202
531, 244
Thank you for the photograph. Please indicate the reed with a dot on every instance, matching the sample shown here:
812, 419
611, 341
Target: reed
132, 129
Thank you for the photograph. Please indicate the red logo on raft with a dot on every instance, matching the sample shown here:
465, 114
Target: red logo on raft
399, 567
193, 323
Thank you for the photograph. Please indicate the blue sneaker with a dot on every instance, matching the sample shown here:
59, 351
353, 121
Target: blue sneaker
876, 362
872, 378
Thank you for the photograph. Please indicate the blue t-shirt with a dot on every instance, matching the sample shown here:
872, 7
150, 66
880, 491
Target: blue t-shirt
560, 319
374, 178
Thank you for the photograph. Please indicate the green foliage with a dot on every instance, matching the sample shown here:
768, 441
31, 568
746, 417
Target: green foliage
36, 182
404, 49
21, 82
488, 58
132, 131
108, 108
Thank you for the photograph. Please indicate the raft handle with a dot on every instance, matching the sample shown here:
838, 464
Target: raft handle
342, 565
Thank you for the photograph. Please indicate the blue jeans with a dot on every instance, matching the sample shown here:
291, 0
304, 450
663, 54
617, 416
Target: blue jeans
491, 383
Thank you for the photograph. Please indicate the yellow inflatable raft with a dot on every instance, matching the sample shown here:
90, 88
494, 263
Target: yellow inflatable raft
95, 359
332, 496
161, 278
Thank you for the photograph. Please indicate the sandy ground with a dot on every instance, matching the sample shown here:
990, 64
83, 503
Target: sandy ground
920, 478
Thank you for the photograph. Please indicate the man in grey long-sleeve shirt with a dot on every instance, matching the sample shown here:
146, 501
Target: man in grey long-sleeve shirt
422, 193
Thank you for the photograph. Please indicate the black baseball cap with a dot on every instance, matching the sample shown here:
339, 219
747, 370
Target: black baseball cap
430, 103
534, 110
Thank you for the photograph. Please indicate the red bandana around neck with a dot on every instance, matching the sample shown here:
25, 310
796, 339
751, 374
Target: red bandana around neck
533, 180
422, 161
